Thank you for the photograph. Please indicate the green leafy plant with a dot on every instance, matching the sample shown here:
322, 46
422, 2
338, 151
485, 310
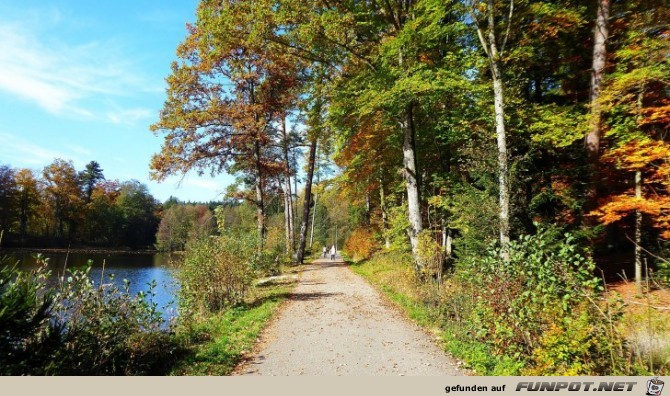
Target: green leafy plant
26, 336
535, 304
217, 272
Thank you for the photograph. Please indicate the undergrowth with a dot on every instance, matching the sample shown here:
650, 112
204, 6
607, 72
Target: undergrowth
540, 311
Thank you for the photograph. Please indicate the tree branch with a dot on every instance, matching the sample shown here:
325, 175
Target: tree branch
509, 25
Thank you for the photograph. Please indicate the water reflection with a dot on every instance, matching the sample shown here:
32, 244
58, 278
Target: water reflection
139, 269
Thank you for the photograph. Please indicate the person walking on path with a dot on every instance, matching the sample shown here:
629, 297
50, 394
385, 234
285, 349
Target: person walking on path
325, 249
332, 253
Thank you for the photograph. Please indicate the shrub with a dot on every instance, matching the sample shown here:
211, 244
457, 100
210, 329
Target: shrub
398, 224
430, 257
76, 328
26, 336
217, 272
538, 304
361, 244
100, 323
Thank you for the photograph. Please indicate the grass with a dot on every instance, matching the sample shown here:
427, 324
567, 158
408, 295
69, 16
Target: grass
214, 346
645, 325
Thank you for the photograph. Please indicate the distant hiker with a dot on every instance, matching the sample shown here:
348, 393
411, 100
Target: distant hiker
325, 249
332, 253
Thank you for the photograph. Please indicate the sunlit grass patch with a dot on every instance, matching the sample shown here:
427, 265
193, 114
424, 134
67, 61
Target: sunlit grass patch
217, 344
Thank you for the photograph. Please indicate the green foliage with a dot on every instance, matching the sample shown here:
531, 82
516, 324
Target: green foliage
217, 272
100, 323
181, 223
216, 344
396, 232
26, 337
78, 328
475, 216
536, 303
556, 126
430, 256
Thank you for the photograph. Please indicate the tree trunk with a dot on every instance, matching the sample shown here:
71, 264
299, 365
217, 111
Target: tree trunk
260, 204
499, 106
307, 201
447, 241
410, 172
23, 217
288, 208
638, 234
368, 206
600, 34
382, 204
294, 202
411, 179
287, 222
316, 201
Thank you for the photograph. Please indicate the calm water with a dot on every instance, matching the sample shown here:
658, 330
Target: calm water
139, 269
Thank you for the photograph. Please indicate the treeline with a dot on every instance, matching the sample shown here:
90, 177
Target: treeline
62, 207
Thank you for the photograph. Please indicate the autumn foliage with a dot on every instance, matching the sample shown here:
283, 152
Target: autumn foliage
361, 244
651, 158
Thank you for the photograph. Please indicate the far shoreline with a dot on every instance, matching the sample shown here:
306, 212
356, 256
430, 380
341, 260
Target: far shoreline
83, 250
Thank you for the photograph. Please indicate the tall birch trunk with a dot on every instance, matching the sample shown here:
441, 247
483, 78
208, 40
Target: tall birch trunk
287, 222
260, 204
501, 135
491, 48
294, 202
307, 201
288, 207
411, 179
316, 202
600, 33
410, 173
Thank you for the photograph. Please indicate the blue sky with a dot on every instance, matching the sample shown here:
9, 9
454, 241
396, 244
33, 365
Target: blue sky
83, 80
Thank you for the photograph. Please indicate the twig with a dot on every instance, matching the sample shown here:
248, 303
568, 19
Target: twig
648, 252
67, 256
509, 24
649, 305
102, 274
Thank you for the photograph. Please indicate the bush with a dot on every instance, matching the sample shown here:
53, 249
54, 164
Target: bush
26, 337
430, 257
99, 325
217, 272
361, 244
542, 305
76, 328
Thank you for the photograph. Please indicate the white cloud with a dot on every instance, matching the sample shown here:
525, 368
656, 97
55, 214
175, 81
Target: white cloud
129, 116
24, 153
64, 79
79, 150
204, 184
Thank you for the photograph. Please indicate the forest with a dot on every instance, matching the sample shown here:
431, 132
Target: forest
507, 151
482, 120
62, 207
499, 168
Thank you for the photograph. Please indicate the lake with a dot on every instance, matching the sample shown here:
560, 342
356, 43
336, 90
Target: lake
138, 268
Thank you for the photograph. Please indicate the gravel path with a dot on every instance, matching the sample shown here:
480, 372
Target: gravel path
337, 324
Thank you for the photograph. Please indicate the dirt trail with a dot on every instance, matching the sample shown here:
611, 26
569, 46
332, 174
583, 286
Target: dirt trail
337, 324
